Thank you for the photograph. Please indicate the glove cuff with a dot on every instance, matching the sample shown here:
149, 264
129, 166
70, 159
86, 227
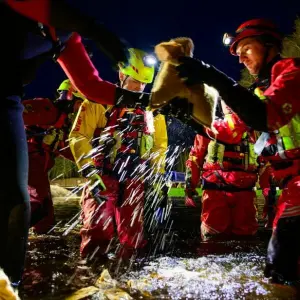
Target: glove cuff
220, 81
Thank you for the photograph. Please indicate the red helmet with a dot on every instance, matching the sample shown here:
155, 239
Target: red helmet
252, 28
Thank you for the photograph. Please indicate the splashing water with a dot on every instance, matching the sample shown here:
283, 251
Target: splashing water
223, 276
233, 276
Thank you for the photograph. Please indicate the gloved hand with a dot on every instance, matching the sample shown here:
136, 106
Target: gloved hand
96, 185
241, 100
50, 137
190, 194
131, 99
194, 71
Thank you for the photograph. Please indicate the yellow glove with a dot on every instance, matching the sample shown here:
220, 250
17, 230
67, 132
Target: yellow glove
96, 184
49, 138
96, 180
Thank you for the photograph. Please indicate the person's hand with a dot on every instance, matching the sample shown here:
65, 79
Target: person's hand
190, 195
96, 184
50, 137
192, 71
96, 187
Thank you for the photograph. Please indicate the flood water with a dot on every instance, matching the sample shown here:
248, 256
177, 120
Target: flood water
183, 268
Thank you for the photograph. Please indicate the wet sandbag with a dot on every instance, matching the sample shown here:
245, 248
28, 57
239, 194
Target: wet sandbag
83, 293
6, 290
109, 287
168, 85
105, 288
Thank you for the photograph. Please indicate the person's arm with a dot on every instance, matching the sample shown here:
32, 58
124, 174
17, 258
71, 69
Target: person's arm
79, 68
56, 13
61, 15
90, 117
195, 161
194, 166
282, 97
281, 101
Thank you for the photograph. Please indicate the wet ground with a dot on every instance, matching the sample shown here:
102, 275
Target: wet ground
175, 266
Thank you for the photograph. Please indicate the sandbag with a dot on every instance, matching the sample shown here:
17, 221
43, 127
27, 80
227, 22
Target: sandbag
168, 85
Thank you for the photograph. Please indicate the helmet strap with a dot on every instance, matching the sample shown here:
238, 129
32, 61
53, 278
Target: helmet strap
124, 81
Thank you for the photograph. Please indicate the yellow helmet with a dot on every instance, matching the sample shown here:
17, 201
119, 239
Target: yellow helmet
67, 87
140, 66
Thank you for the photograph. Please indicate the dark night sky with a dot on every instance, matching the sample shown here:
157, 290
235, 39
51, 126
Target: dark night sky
146, 23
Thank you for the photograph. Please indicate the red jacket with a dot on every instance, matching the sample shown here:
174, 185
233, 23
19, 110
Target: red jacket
283, 94
73, 59
282, 97
230, 131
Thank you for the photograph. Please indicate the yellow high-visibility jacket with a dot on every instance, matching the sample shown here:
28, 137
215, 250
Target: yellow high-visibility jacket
91, 116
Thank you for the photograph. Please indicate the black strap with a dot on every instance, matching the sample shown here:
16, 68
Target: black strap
220, 178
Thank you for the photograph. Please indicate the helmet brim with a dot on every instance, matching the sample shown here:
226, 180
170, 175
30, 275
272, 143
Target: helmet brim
251, 33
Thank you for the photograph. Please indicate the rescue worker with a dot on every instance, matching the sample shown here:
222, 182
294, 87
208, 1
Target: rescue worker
47, 138
227, 167
271, 106
130, 142
26, 44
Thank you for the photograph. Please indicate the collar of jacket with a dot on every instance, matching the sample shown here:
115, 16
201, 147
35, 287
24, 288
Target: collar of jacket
265, 72
262, 81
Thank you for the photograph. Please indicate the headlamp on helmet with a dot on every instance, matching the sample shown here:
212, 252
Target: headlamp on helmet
253, 28
140, 66
149, 60
228, 39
